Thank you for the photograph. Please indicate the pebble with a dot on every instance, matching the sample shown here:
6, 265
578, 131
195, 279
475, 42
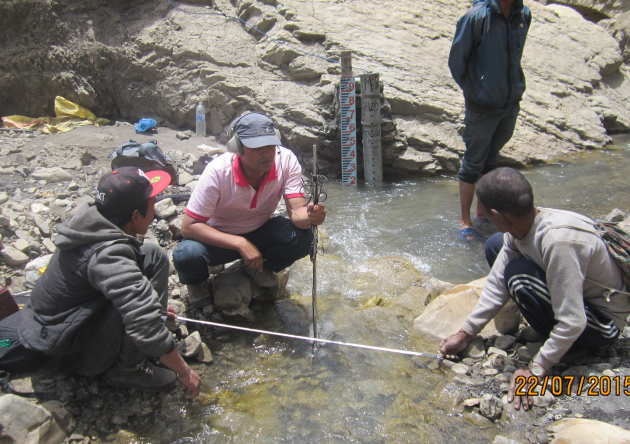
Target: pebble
490, 406
497, 351
489, 372
460, 369
471, 402
545, 400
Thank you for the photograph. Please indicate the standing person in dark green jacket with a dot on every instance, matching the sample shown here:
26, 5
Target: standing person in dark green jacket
99, 305
485, 61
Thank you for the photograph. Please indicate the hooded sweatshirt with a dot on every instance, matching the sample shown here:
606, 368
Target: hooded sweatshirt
485, 56
96, 264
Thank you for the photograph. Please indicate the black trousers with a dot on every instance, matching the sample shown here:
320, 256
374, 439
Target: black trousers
527, 285
280, 242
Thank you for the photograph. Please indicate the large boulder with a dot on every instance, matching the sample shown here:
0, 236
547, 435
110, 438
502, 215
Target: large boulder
586, 431
447, 313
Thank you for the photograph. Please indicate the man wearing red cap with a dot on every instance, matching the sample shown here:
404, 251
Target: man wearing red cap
99, 305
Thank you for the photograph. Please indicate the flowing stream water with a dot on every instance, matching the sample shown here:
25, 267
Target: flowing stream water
261, 389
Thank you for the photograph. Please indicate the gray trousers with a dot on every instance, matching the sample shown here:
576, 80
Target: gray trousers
485, 134
101, 342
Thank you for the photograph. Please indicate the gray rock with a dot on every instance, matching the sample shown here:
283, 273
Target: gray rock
232, 292
21, 244
476, 348
42, 223
294, 317
204, 354
184, 135
3, 197
265, 278
61, 207
545, 400
185, 178
616, 215
39, 208
13, 257
471, 402
51, 175
49, 245
192, 345
490, 406
460, 369
165, 208
489, 372
496, 351
175, 225
28, 423
162, 226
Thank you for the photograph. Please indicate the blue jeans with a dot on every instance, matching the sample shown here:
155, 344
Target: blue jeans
484, 135
527, 285
280, 242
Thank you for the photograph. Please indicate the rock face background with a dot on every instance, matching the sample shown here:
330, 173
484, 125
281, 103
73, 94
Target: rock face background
159, 58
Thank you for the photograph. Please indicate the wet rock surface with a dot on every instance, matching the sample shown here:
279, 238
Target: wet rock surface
160, 59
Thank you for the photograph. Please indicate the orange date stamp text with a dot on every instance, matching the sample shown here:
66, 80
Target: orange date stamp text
566, 385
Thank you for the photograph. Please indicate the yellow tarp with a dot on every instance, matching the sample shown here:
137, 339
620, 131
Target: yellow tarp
68, 115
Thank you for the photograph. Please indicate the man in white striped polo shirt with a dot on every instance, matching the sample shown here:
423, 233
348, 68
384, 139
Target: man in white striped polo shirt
229, 214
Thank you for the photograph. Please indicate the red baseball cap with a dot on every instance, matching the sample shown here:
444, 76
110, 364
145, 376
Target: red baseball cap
126, 187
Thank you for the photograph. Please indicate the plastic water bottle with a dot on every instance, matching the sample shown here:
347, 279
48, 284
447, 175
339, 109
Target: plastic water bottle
200, 120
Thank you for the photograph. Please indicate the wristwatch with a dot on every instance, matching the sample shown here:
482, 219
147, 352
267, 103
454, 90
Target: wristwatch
536, 369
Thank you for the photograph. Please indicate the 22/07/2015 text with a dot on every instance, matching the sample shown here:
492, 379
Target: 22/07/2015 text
565, 385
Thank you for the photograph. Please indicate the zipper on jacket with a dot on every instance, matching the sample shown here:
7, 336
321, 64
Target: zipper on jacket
508, 22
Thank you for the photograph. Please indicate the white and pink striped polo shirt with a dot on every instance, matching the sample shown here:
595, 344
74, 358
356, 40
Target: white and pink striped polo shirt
225, 200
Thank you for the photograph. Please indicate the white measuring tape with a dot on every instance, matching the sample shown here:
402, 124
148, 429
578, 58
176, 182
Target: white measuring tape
309, 339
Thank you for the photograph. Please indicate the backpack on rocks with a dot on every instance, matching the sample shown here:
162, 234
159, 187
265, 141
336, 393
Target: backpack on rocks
146, 156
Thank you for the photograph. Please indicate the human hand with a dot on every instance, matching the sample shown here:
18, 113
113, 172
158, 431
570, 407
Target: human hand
251, 255
191, 381
316, 213
520, 399
455, 343
171, 313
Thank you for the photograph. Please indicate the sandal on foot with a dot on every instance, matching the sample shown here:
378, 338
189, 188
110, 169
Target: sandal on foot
468, 234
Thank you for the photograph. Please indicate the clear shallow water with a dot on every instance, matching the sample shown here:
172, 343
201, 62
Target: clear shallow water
266, 390
419, 219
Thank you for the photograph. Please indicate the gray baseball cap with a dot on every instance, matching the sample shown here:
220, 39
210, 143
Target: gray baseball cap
256, 130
